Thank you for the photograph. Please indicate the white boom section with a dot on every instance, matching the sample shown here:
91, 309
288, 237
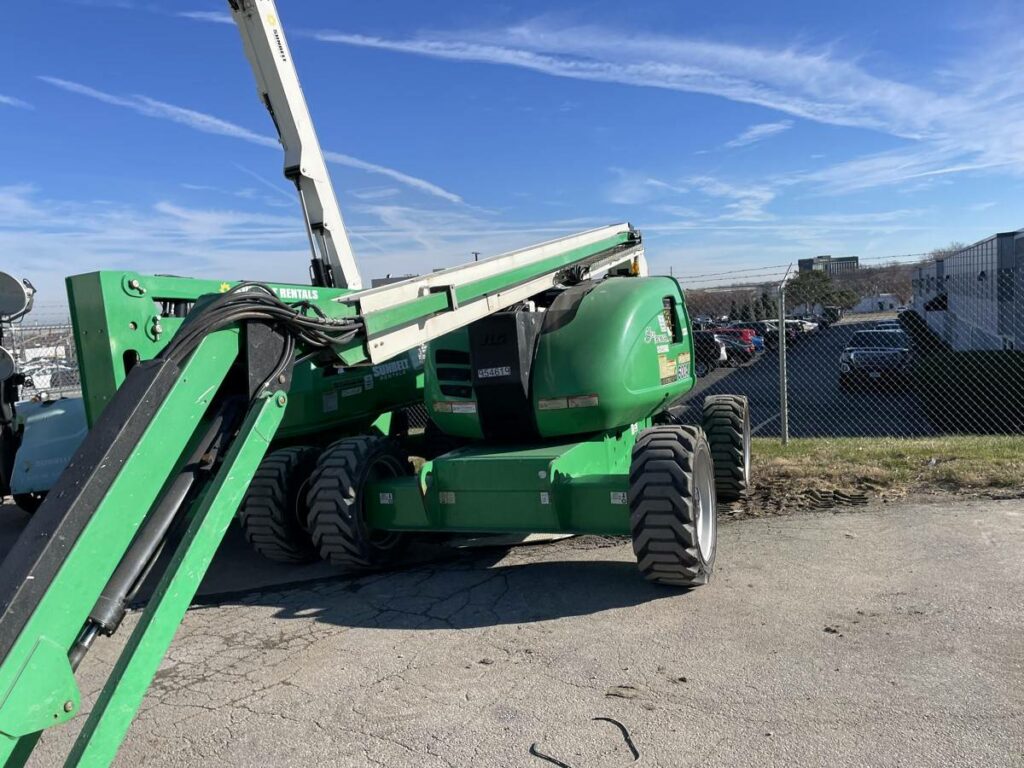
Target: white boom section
278, 84
386, 345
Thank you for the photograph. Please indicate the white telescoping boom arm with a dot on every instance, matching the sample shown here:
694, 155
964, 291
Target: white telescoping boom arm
278, 83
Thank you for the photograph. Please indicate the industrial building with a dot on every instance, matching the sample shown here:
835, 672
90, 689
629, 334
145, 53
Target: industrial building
830, 265
974, 298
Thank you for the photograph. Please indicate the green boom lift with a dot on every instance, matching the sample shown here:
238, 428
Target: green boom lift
555, 367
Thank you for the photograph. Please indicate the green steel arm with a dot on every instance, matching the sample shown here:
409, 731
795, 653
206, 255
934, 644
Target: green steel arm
121, 696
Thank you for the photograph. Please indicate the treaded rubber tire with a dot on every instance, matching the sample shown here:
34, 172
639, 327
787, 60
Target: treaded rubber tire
726, 422
671, 477
273, 511
29, 502
334, 500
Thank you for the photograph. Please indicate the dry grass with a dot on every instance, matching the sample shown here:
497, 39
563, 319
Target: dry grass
804, 472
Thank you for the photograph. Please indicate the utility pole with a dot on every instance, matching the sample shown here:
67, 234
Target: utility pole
783, 383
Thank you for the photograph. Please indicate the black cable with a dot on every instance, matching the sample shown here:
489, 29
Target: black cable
257, 302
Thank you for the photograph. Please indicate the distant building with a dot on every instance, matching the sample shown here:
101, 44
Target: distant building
974, 298
830, 265
882, 302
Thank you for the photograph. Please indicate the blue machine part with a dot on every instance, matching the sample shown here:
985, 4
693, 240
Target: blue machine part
51, 433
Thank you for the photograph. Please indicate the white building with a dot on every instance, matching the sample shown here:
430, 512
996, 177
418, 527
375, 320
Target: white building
880, 302
974, 299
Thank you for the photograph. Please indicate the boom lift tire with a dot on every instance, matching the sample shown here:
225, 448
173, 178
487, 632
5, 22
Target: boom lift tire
335, 496
273, 512
29, 502
727, 426
672, 506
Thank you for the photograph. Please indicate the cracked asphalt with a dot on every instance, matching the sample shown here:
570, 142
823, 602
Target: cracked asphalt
890, 636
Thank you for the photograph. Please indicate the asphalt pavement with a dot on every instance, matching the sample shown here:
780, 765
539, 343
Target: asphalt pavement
817, 407
888, 636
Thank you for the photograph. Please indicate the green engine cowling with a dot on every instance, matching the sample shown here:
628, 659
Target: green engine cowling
598, 356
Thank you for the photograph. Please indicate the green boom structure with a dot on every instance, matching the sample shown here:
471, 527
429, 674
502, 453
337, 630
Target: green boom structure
548, 373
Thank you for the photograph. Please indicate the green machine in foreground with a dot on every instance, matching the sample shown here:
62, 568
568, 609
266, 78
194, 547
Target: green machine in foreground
549, 375
554, 367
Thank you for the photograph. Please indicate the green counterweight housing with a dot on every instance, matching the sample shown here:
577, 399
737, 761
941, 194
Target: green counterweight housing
599, 356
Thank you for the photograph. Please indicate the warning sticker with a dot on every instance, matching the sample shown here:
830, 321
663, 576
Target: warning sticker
583, 401
387, 498
618, 498
446, 497
552, 403
463, 407
666, 368
440, 406
545, 498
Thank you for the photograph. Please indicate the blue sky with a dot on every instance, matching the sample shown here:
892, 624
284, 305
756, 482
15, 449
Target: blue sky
733, 137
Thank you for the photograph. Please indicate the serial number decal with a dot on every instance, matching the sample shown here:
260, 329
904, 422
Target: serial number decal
493, 373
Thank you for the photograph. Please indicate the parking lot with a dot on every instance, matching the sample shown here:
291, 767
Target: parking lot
883, 637
817, 407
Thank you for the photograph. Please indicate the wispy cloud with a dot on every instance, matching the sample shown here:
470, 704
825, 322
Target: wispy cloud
807, 84
217, 17
231, 240
745, 203
10, 101
939, 119
201, 121
759, 132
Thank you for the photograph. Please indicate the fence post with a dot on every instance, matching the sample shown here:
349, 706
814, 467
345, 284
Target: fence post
783, 394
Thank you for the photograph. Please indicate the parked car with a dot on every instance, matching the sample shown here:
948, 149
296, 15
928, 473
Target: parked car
745, 335
709, 353
806, 326
888, 325
738, 351
875, 357
765, 334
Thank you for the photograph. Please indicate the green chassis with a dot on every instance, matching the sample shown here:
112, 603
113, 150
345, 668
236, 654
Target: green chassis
561, 487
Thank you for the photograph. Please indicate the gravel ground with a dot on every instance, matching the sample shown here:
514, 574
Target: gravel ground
882, 636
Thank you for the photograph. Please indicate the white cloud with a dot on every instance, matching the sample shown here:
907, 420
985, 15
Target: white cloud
217, 17
10, 101
759, 132
233, 241
941, 120
200, 121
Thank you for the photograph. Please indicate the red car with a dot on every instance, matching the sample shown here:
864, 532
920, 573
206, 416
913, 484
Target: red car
746, 335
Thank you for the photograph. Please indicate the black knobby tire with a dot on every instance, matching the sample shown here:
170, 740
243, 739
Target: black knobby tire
273, 511
335, 496
672, 507
726, 423
29, 502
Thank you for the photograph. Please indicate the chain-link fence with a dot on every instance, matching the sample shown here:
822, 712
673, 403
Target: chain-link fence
45, 354
935, 348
